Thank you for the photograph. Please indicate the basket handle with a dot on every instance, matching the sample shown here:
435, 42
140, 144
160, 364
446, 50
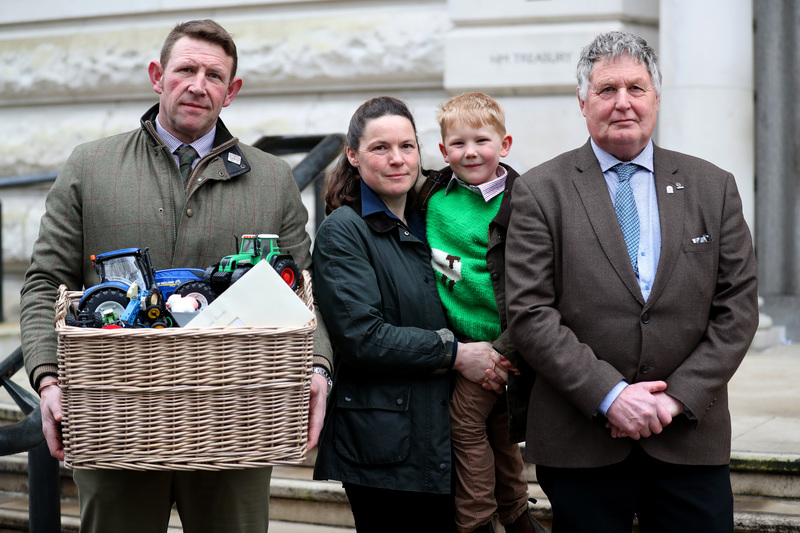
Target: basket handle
61, 305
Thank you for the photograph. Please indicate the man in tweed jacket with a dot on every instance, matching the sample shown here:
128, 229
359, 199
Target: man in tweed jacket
127, 191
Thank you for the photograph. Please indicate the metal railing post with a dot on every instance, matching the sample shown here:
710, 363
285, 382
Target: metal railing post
2, 317
44, 491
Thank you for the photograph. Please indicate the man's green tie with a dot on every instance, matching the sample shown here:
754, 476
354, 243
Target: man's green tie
186, 156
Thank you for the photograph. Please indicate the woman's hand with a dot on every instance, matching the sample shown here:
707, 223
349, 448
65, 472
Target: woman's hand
480, 363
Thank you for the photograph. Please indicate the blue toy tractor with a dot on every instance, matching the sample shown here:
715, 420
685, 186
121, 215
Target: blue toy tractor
132, 294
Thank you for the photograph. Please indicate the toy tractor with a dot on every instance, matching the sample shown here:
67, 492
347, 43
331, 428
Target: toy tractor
252, 249
132, 294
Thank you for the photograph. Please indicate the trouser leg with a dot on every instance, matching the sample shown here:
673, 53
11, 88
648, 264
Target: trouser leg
124, 500
590, 500
473, 463
225, 501
378, 510
681, 498
511, 487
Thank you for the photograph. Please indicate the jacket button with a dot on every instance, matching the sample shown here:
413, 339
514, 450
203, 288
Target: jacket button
424, 279
406, 233
190, 212
399, 401
644, 369
221, 174
348, 399
444, 403
443, 466
495, 276
645, 318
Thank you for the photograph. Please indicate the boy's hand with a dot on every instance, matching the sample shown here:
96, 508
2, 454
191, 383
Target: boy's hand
502, 362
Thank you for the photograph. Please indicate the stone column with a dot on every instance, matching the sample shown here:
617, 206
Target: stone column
707, 105
778, 162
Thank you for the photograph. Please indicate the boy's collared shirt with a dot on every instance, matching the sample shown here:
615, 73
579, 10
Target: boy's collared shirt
488, 190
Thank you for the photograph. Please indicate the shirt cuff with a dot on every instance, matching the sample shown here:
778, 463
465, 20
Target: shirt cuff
611, 396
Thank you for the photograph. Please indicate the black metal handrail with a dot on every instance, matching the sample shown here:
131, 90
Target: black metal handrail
44, 488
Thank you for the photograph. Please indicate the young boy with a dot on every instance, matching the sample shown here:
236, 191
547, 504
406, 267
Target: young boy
467, 210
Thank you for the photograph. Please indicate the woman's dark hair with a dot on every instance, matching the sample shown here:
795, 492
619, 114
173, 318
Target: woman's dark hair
342, 182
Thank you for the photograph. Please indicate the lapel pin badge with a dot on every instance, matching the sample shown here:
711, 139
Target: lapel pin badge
678, 185
669, 189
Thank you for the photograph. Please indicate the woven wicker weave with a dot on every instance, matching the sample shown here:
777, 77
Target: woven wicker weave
184, 399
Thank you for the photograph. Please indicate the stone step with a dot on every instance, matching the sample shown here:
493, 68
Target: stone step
298, 504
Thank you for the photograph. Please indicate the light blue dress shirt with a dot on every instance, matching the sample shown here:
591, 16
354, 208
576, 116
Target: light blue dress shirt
643, 185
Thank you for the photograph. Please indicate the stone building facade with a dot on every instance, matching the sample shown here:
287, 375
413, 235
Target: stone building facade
72, 72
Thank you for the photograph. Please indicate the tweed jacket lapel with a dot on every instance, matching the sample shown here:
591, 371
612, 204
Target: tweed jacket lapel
671, 216
593, 191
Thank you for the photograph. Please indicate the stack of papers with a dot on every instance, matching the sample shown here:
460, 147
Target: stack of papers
259, 299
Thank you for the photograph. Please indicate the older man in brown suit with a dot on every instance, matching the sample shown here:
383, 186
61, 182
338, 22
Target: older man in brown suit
632, 292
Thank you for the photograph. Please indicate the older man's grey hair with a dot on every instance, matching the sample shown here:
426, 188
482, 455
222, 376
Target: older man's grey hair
613, 45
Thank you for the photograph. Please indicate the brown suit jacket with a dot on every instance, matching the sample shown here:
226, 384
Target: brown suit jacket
578, 317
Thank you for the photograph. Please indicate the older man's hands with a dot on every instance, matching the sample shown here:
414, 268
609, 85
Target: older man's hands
641, 410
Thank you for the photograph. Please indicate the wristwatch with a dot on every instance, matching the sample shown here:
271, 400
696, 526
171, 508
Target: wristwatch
324, 373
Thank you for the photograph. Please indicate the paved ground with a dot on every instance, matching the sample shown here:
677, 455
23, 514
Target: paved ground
765, 402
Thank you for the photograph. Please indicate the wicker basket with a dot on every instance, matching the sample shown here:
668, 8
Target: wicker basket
184, 399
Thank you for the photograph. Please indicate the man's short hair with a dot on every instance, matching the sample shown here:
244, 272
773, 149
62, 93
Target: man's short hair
473, 109
613, 45
202, 30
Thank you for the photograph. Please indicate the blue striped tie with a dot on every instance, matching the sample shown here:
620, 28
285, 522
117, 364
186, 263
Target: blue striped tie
625, 206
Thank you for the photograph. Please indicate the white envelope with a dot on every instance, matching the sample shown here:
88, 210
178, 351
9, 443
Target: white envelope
260, 298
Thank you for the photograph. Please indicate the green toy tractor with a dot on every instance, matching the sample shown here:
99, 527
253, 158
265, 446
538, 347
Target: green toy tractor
252, 249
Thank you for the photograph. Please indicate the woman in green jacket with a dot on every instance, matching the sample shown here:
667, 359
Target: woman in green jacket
387, 431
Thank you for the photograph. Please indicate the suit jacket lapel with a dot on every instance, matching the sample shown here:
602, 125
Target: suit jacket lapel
670, 214
592, 188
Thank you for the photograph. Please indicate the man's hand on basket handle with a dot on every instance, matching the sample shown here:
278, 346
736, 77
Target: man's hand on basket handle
319, 397
50, 405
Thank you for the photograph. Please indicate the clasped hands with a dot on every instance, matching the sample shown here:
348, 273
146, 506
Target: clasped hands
641, 410
481, 364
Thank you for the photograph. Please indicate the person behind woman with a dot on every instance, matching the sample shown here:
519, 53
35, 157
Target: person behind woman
387, 433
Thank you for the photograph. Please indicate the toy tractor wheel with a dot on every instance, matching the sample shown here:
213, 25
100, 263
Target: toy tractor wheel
288, 271
209, 271
238, 273
161, 323
200, 291
106, 299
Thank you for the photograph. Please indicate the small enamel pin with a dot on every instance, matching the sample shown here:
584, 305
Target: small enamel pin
678, 185
234, 158
669, 189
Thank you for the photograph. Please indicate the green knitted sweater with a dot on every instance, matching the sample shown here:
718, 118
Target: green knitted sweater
458, 233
